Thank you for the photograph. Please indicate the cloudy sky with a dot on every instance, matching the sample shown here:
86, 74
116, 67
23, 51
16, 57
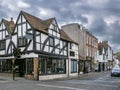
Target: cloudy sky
100, 17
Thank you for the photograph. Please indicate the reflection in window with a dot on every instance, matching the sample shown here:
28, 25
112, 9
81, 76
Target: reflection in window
52, 66
5, 65
73, 66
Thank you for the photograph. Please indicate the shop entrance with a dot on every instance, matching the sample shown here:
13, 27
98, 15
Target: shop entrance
20, 67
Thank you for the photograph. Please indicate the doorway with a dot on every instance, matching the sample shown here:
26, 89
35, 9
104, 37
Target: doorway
20, 67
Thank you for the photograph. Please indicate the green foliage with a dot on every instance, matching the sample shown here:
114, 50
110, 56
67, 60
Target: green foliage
118, 55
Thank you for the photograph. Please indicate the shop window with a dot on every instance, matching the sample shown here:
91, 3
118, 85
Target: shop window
52, 66
29, 66
73, 66
6, 66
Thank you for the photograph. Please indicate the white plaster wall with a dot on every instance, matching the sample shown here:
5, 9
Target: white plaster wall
30, 46
14, 39
7, 43
49, 77
43, 37
30, 55
2, 52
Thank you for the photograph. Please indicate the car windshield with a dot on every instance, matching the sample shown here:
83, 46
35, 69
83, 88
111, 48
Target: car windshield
116, 69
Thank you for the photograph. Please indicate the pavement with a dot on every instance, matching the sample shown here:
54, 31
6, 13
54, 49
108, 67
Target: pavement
86, 75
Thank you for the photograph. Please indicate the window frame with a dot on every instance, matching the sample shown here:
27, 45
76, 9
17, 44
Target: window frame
2, 44
73, 67
23, 41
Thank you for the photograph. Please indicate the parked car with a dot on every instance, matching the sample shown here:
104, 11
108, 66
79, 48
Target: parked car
115, 71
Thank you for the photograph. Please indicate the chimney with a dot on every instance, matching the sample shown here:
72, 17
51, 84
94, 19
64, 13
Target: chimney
11, 18
11, 24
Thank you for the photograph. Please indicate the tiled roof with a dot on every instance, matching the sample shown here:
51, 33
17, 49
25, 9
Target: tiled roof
35, 22
7, 25
48, 21
42, 25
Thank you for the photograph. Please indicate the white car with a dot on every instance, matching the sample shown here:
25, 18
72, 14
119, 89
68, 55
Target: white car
115, 71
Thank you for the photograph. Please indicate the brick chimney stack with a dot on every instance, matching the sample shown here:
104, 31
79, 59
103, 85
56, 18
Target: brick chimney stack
11, 24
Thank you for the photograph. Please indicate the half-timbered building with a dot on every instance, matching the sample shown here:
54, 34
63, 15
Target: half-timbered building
43, 48
6, 45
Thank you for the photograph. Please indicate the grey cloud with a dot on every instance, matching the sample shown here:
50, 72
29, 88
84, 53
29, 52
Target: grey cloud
73, 10
98, 27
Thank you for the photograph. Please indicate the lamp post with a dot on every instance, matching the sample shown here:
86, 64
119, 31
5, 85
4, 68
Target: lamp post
17, 54
13, 64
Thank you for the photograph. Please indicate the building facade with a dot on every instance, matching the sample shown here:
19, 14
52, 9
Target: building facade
6, 29
88, 45
42, 47
104, 57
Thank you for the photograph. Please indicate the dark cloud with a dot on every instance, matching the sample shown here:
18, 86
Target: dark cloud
98, 27
91, 13
115, 34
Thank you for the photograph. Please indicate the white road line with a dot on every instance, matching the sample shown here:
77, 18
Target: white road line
104, 81
88, 83
3, 81
62, 87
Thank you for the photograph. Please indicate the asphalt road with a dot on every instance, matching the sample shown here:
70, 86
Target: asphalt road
93, 81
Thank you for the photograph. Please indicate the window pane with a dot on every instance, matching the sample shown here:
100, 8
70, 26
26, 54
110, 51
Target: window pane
51, 41
73, 66
52, 66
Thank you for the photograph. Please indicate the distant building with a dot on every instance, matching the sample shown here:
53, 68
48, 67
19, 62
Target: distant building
88, 45
105, 56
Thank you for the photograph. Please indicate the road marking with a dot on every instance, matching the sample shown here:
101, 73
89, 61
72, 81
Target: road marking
62, 87
104, 81
3, 81
88, 83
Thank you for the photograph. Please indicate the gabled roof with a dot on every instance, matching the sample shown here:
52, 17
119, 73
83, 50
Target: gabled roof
7, 25
37, 23
48, 21
43, 25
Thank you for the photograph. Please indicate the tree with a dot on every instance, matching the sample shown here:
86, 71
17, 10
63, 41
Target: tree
118, 55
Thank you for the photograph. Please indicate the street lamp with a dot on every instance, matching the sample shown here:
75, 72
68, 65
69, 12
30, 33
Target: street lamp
13, 67
17, 54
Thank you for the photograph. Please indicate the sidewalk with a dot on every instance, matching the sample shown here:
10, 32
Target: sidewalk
84, 75
90, 74
8, 78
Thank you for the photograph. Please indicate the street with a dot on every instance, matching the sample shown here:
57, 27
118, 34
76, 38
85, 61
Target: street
90, 81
